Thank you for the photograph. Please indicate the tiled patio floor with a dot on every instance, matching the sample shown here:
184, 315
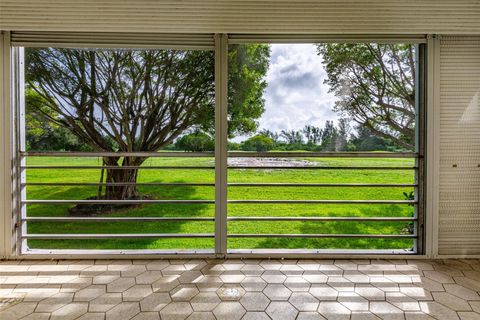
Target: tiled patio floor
236, 289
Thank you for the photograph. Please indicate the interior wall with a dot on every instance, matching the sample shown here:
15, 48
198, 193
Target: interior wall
244, 16
459, 176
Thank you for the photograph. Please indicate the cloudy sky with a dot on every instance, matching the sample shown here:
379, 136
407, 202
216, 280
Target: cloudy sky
296, 94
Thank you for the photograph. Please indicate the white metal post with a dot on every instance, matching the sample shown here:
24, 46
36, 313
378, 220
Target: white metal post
432, 146
7, 238
20, 191
221, 136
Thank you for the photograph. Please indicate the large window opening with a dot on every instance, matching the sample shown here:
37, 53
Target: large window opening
127, 150
333, 162
103, 150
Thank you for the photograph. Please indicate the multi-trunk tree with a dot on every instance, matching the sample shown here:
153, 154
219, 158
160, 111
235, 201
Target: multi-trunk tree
141, 100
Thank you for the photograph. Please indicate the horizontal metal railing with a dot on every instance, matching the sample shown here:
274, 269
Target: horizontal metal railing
239, 184
212, 167
207, 235
116, 235
322, 235
252, 218
146, 201
119, 184
367, 219
122, 167
231, 154
155, 219
149, 201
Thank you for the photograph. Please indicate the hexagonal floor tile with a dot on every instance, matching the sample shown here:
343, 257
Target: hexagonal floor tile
155, 301
333, 310
281, 311
353, 301
297, 283
229, 310
208, 283
176, 310
234, 276
123, 311
370, 292
309, 316
230, 292
165, 283
315, 277
253, 284
137, 292
105, 302
255, 316
304, 301
323, 292
273, 276
205, 301
277, 292
148, 277
184, 292
254, 301
201, 316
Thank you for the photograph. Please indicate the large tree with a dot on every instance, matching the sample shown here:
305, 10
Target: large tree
141, 100
375, 84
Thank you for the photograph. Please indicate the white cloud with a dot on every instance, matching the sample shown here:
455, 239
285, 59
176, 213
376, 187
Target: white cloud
296, 94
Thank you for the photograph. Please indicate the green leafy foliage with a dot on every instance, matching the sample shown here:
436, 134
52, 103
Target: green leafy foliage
143, 99
196, 142
247, 67
42, 135
375, 84
259, 143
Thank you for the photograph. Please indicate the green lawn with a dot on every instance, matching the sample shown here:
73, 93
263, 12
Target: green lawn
207, 210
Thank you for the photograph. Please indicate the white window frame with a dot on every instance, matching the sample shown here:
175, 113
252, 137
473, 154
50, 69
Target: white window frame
11, 87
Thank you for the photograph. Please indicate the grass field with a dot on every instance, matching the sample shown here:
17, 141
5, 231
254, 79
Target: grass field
207, 210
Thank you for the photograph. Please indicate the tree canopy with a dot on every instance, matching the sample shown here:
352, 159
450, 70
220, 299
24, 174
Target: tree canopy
375, 84
141, 100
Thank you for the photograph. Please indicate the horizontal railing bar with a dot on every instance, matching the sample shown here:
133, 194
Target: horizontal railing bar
118, 154
213, 167
322, 168
96, 219
148, 201
327, 201
324, 235
236, 154
322, 185
63, 201
118, 219
322, 219
233, 154
213, 184
108, 184
117, 236
120, 167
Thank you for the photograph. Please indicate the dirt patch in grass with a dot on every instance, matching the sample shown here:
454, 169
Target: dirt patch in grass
269, 162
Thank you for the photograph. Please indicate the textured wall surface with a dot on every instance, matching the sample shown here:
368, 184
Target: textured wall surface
459, 207
244, 16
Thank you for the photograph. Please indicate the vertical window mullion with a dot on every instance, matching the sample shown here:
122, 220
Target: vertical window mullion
221, 136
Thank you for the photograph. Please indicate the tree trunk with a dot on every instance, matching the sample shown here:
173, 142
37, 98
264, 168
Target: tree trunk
121, 181
121, 185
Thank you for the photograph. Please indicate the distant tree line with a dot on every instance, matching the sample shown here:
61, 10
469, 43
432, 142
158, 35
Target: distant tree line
340, 137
